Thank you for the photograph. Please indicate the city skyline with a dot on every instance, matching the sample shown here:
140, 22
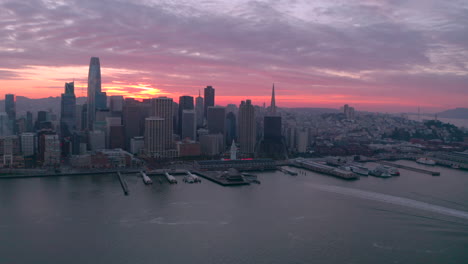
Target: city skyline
375, 55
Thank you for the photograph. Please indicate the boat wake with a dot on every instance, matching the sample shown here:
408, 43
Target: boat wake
393, 200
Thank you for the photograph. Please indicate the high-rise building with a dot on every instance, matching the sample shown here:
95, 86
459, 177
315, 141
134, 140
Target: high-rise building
29, 122
247, 129
189, 126
28, 143
159, 129
199, 109
215, 119
51, 150
185, 103
273, 102
5, 128
96, 98
209, 99
116, 103
10, 109
133, 119
68, 108
155, 136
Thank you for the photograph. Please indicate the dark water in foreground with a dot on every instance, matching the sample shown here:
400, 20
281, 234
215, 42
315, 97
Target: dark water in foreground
414, 218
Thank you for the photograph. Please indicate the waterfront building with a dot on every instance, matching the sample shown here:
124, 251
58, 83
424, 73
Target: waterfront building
209, 97
188, 148
137, 145
302, 140
51, 150
28, 144
155, 136
247, 129
97, 140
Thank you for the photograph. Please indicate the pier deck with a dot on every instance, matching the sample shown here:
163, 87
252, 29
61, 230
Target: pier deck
123, 183
433, 173
211, 176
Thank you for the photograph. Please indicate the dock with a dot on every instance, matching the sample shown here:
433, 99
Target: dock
324, 169
171, 179
123, 183
287, 171
212, 176
433, 173
146, 179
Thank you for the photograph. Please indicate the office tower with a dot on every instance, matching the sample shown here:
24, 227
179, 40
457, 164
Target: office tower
185, 103
51, 150
247, 130
302, 140
209, 99
116, 103
29, 122
78, 117
199, 110
215, 119
231, 127
43, 120
133, 119
211, 144
28, 143
116, 137
97, 140
96, 99
273, 102
137, 144
10, 109
155, 136
272, 128
162, 108
5, 128
189, 126
9, 149
68, 108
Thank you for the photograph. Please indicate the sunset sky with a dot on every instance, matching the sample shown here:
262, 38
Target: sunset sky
377, 55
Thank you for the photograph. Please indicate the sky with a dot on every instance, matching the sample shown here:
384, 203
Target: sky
375, 55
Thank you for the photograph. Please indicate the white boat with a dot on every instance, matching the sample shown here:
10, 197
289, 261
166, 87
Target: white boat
455, 166
426, 161
188, 179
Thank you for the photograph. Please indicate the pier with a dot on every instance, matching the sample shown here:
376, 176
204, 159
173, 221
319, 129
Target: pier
145, 178
324, 169
433, 173
194, 177
287, 171
171, 179
212, 176
123, 183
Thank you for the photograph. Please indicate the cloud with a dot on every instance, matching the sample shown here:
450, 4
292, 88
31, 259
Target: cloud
351, 48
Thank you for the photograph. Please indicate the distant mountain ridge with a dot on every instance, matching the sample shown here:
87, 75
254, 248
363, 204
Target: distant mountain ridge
24, 104
460, 113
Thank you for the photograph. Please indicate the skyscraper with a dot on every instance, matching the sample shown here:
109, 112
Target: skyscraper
199, 110
188, 125
185, 103
215, 119
10, 109
209, 99
273, 102
247, 129
95, 96
162, 107
68, 107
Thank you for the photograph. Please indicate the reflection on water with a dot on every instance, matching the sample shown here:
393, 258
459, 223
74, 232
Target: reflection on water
414, 218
